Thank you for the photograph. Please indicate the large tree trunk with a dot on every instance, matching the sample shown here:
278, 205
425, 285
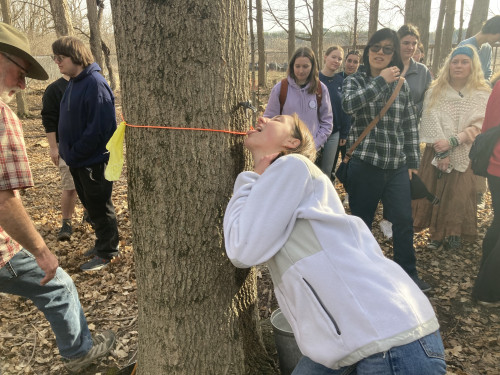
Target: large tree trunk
478, 15
418, 13
436, 58
105, 49
95, 32
260, 44
184, 64
252, 57
22, 106
449, 29
291, 28
373, 22
62, 19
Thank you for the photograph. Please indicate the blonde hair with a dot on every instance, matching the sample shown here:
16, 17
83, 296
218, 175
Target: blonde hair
301, 132
475, 81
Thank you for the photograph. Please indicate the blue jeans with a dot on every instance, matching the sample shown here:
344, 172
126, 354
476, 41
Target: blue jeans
328, 154
58, 300
367, 185
424, 356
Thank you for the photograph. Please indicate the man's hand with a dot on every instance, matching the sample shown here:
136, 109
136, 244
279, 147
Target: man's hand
54, 156
48, 263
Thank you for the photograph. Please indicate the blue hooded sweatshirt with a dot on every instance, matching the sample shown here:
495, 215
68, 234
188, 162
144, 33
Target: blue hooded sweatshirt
87, 119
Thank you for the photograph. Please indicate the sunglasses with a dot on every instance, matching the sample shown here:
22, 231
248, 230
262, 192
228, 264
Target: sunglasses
387, 50
58, 58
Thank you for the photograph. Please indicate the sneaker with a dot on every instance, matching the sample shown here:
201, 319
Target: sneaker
434, 245
95, 264
90, 252
65, 231
453, 243
386, 228
102, 344
424, 287
346, 200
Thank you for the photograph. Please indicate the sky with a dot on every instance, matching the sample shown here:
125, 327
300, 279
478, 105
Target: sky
338, 14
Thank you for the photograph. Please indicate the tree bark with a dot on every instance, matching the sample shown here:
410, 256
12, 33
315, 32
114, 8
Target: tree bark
291, 28
183, 63
418, 13
95, 32
260, 44
22, 106
315, 29
461, 26
320, 34
448, 30
373, 21
478, 15
62, 19
436, 58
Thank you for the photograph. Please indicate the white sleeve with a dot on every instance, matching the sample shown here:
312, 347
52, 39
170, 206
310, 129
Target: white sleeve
258, 216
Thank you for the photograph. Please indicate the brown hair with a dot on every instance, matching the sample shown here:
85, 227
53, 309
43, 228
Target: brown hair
408, 29
313, 78
301, 132
334, 48
75, 49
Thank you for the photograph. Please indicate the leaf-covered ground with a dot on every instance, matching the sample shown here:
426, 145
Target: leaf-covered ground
471, 333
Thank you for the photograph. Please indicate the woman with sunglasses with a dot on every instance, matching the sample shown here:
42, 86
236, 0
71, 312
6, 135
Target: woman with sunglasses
352, 310
382, 165
454, 109
302, 96
341, 121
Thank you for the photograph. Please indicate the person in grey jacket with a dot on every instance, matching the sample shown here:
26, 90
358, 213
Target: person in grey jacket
351, 309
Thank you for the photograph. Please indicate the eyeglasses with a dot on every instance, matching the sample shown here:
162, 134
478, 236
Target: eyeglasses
58, 58
22, 76
387, 50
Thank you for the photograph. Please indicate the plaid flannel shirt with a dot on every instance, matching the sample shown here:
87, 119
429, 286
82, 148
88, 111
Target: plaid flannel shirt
15, 171
394, 141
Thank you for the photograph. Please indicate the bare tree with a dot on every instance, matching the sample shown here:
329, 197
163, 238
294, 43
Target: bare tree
437, 58
315, 28
291, 28
449, 28
95, 32
355, 32
478, 15
261, 47
373, 21
418, 13
197, 313
252, 49
62, 19
461, 26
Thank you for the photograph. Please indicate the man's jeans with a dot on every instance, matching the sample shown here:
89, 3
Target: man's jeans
94, 192
58, 300
367, 185
424, 356
328, 154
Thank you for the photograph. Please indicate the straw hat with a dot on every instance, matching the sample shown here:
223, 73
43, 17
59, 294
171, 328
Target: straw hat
15, 43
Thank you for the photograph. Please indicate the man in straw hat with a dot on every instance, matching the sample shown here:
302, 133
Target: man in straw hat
27, 267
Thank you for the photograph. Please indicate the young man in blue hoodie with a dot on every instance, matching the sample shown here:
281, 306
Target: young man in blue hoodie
87, 121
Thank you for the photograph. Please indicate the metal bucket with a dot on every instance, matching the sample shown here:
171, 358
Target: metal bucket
288, 352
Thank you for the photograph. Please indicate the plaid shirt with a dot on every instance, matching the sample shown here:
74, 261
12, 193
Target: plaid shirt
15, 171
394, 140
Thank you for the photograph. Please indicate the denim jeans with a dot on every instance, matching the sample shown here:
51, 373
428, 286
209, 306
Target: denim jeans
328, 154
58, 300
94, 192
367, 185
424, 356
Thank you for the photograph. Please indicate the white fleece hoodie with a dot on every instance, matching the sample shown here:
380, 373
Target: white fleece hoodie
344, 300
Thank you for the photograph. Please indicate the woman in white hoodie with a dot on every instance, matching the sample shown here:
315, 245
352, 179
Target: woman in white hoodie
351, 309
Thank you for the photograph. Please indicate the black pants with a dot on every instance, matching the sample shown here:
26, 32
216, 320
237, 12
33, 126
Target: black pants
486, 287
94, 192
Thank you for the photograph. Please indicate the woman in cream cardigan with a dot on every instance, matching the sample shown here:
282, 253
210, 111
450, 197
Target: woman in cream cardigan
452, 117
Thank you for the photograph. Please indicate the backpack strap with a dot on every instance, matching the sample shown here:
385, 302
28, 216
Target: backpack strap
283, 93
